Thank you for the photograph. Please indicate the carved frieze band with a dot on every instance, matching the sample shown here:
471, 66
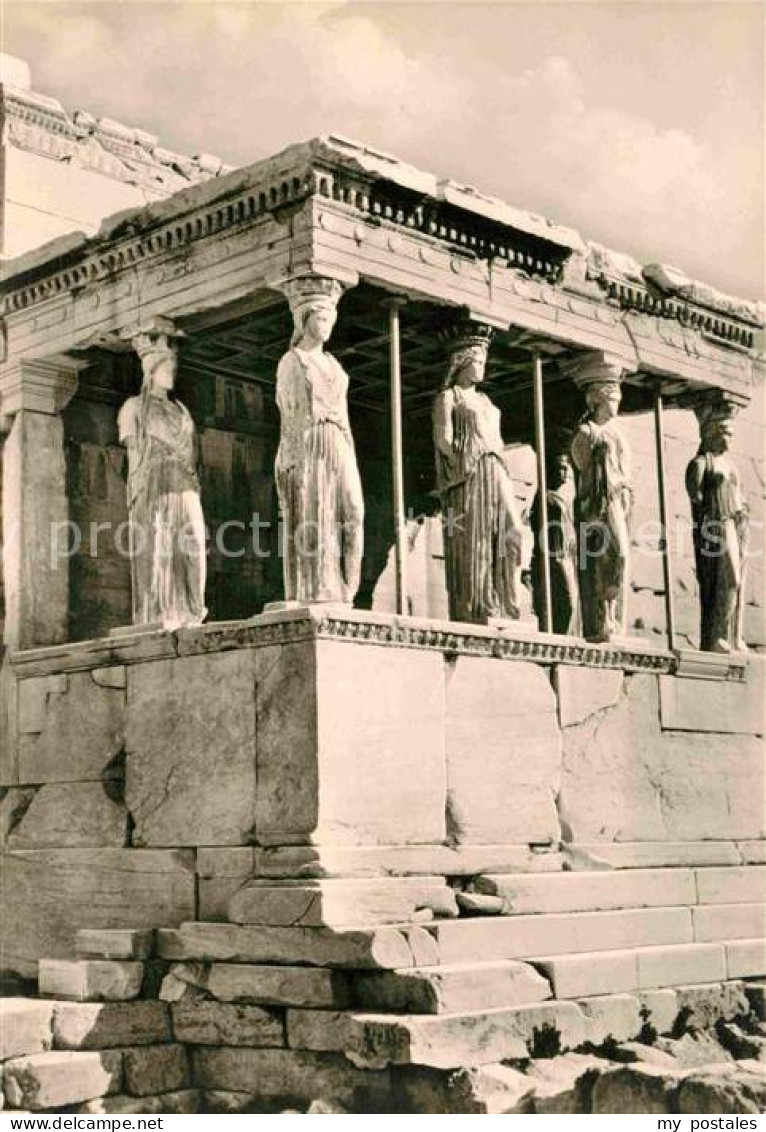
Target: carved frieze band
382, 631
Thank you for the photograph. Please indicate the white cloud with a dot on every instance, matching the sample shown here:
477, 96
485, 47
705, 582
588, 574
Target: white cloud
246, 80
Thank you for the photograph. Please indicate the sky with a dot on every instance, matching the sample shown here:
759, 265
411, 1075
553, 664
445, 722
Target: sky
639, 123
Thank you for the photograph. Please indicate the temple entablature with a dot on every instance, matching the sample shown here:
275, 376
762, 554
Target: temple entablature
332, 207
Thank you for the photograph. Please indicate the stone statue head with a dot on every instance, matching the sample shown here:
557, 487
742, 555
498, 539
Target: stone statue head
467, 347
603, 400
716, 421
313, 302
159, 359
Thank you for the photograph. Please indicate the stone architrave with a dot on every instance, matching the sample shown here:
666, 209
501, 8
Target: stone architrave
37, 538
482, 525
320, 492
167, 527
720, 527
601, 458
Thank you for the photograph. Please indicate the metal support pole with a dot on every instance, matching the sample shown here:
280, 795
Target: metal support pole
667, 565
542, 493
397, 464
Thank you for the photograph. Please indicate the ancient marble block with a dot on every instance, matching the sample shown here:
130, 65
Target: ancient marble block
155, 1069
72, 815
48, 1080
109, 1025
94, 980
726, 705
582, 692
49, 894
625, 779
190, 743
503, 752
350, 744
206, 1023
287, 1073
114, 943
25, 1026
165, 1104
70, 728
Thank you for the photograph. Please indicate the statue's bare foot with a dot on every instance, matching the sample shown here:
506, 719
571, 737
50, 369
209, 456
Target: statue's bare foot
721, 646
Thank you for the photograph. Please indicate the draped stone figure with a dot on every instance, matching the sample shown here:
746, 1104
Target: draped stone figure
720, 527
482, 525
320, 492
167, 527
603, 506
562, 549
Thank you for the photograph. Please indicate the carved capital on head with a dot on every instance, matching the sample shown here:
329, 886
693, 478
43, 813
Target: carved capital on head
153, 341
595, 369
38, 385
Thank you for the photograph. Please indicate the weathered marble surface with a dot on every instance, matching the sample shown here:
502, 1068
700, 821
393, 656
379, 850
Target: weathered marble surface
72, 815
625, 779
190, 750
70, 727
503, 753
54, 892
350, 745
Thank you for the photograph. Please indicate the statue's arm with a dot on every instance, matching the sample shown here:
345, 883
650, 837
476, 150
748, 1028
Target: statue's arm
442, 421
126, 423
695, 474
581, 449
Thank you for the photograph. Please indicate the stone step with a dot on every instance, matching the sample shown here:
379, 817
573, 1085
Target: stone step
729, 921
385, 947
444, 1041
341, 903
610, 972
25, 1027
48, 1080
731, 886
520, 937
258, 983
450, 989
745, 958
590, 891
92, 980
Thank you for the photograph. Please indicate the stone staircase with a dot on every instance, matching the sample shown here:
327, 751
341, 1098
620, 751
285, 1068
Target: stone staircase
500, 993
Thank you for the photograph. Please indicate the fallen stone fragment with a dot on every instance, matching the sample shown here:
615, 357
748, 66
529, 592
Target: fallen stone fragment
479, 904
106, 1025
113, 943
49, 1080
488, 1089
710, 1091
181, 1102
93, 980
694, 1049
636, 1088
564, 1084
739, 1043
204, 1022
226, 1102
701, 1007
630, 1052
325, 1107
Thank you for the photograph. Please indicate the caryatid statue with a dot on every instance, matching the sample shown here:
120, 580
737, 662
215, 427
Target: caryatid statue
562, 546
167, 528
481, 521
720, 525
320, 492
603, 503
